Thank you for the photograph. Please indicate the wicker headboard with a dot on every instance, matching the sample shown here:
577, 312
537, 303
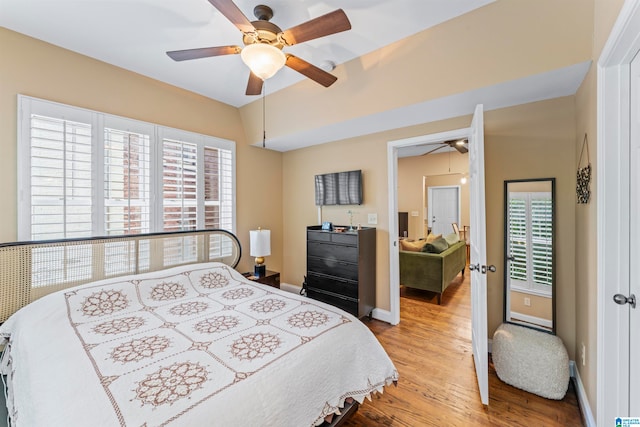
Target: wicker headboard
30, 270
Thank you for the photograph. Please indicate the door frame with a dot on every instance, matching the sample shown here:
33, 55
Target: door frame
429, 204
613, 263
393, 316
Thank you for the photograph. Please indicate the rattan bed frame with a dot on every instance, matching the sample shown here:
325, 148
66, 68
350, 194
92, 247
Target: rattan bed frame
30, 270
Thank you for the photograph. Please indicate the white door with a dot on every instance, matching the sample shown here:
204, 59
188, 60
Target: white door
478, 254
443, 209
634, 247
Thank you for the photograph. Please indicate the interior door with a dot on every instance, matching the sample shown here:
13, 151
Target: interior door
634, 247
478, 254
443, 205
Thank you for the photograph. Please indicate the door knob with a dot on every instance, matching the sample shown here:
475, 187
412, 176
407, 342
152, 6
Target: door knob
491, 268
474, 267
622, 300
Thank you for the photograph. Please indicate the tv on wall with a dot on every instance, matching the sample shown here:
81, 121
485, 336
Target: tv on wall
339, 188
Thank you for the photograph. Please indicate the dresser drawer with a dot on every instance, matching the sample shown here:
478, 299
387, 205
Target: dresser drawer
347, 304
329, 250
332, 267
333, 285
345, 238
319, 236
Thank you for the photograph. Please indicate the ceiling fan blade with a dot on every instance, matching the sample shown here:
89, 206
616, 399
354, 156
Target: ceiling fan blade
434, 150
331, 23
254, 86
461, 148
314, 73
233, 14
458, 144
203, 52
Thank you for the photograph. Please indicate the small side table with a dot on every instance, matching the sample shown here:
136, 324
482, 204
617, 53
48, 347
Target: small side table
271, 278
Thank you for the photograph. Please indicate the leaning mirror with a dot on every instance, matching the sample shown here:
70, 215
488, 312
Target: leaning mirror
529, 247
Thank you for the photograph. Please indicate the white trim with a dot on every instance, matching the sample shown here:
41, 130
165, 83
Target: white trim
383, 315
392, 181
613, 176
530, 319
581, 395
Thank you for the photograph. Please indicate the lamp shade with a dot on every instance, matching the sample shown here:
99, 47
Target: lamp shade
260, 243
263, 59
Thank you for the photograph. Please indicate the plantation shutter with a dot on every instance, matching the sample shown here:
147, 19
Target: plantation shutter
530, 237
541, 241
179, 178
127, 192
61, 179
518, 238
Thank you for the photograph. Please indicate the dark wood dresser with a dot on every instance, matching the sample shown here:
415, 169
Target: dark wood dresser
341, 268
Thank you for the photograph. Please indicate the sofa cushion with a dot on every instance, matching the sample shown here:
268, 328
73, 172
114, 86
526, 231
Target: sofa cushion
437, 246
412, 246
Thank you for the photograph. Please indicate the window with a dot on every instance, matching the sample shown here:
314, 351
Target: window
83, 173
530, 241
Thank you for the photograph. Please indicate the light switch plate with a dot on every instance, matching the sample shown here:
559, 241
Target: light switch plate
372, 219
414, 213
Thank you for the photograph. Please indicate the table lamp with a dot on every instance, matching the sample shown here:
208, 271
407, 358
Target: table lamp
260, 247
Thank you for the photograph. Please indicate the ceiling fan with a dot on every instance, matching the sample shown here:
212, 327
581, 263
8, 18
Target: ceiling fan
264, 42
458, 144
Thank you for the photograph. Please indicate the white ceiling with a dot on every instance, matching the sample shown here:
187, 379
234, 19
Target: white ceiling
135, 34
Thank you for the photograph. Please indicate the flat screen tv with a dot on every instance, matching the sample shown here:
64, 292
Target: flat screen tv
339, 188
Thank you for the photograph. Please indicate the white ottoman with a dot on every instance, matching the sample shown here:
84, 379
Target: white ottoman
531, 360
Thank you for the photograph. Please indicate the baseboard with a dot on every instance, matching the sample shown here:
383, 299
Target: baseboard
380, 314
532, 319
295, 289
581, 394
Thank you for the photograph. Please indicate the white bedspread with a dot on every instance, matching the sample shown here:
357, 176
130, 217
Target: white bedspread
197, 345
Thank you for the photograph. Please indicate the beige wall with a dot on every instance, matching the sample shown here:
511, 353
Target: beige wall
605, 14
439, 169
518, 143
45, 71
539, 306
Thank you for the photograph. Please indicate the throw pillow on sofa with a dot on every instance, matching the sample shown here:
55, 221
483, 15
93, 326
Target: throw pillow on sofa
431, 237
412, 246
452, 238
437, 246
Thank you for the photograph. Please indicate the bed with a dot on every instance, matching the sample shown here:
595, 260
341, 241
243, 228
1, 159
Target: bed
191, 345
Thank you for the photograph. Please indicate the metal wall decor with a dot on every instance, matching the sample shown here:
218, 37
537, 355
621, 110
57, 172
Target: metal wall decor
583, 176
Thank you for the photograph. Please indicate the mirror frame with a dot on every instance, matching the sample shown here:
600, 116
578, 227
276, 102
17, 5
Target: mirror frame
553, 256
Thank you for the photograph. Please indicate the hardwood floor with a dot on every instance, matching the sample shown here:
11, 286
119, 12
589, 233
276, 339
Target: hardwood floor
431, 348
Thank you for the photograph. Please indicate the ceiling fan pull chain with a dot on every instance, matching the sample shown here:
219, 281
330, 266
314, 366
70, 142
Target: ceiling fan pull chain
264, 132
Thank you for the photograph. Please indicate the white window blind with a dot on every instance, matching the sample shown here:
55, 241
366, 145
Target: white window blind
179, 183
127, 182
60, 174
84, 173
530, 240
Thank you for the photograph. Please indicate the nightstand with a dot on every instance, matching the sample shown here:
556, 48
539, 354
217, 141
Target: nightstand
271, 278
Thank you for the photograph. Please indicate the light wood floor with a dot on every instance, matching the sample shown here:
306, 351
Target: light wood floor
431, 348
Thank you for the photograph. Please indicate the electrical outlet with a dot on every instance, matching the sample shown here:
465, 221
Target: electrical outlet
527, 301
583, 354
372, 219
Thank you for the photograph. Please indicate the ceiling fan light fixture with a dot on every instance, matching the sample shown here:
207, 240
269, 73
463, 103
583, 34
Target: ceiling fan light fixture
263, 59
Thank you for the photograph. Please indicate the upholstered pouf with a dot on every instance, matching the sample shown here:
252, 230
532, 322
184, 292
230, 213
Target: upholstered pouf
531, 360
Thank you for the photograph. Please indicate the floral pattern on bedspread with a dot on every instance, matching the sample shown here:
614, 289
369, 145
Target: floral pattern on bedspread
163, 346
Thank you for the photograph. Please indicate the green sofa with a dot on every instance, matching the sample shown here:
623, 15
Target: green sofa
432, 272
